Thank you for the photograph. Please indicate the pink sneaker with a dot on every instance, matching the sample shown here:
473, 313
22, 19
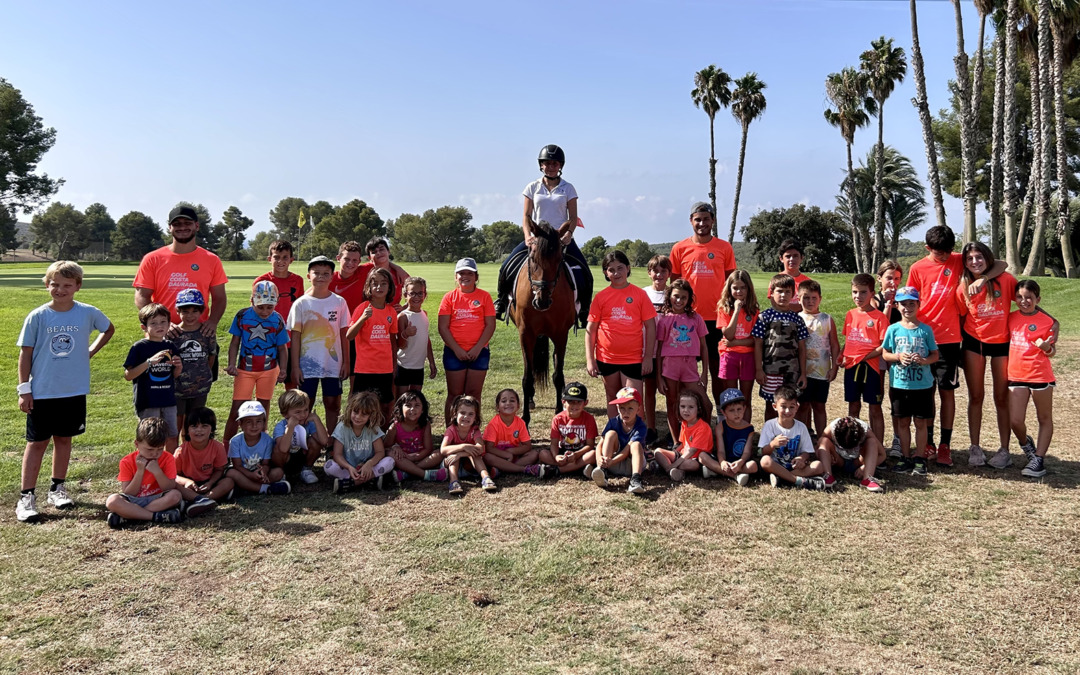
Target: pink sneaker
871, 485
830, 481
944, 455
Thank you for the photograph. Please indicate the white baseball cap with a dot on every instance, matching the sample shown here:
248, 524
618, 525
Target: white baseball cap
250, 409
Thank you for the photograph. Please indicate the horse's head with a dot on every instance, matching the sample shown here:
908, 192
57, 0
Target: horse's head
545, 263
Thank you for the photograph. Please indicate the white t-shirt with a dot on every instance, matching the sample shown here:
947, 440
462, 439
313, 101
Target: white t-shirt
798, 440
818, 345
655, 296
412, 357
846, 453
320, 322
550, 206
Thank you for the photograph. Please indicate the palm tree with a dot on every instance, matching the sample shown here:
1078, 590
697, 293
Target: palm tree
1036, 258
849, 93
967, 127
923, 106
1008, 160
747, 104
710, 93
997, 134
1065, 22
885, 66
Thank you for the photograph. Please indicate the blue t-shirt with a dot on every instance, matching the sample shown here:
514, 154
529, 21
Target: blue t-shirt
357, 449
735, 441
279, 431
918, 340
251, 456
61, 342
156, 387
260, 339
636, 434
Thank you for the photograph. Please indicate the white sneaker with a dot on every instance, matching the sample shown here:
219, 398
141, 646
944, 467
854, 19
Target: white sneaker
677, 474
26, 509
976, 456
774, 480
707, 472
895, 450
599, 477
1001, 459
308, 476
742, 479
59, 498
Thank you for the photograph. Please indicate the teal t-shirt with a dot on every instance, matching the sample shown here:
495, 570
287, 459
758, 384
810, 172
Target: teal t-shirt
918, 340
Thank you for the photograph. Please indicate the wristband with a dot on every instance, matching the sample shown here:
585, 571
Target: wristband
23, 388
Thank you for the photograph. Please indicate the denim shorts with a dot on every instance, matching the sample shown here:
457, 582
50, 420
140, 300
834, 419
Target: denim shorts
451, 362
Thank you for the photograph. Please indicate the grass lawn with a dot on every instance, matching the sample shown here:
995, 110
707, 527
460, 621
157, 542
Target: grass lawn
963, 571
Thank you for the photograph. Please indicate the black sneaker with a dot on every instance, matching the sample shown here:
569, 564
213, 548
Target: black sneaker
548, 471
167, 516
115, 521
904, 465
918, 468
636, 486
650, 438
1028, 447
813, 483
342, 484
1035, 467
281, 487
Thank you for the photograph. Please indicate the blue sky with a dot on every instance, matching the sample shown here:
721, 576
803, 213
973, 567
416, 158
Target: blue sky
415, 105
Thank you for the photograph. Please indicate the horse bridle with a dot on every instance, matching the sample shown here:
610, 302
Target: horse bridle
541, 284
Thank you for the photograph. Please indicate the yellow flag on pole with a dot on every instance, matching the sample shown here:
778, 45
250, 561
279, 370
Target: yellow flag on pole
300, 221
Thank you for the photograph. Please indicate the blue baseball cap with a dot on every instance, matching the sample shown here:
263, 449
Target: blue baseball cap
729, 396
907, 293
190, 297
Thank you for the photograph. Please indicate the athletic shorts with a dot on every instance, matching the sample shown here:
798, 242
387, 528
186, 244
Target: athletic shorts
865, 381
168, 414
1032, 386
917, 403
380, 383
261, 383
681, 369
63, 417
946, 369
408, 377
737, 366
817, 391
142, 501
990, 349
186, 405
772, 383
331, 387
712, 342
630, 370
451, 362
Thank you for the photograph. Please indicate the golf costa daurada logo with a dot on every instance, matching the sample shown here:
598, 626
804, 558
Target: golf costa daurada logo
194, 267
711, 256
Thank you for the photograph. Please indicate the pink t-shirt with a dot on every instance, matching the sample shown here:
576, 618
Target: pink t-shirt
680, 335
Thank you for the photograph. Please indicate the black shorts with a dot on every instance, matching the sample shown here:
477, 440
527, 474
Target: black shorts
918, 403
990, 349
409, 377
712, 341
863, 380
1032, 386
631, 370
946, 370
816, 391
380, 383
63, 417
184, 406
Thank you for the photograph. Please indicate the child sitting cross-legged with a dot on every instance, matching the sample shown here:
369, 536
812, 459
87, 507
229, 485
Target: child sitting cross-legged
786, 451
849, 443
507, 444
695, 438
359, 456
408, 440
622, 448
462, 445
299, 439
201, 462
573, 435
735, 441
250, 453
147, 479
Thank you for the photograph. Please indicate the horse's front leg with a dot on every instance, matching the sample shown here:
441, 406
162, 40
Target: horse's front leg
559, 352
528, 344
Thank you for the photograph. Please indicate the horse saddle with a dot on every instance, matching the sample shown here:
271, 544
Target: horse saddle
513, 271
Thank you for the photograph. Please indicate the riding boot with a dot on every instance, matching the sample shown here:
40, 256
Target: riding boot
585, 294
502, 301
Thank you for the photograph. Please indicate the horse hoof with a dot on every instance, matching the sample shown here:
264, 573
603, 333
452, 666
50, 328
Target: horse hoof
532, 404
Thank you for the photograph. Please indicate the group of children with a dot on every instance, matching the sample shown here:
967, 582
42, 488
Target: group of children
955, 309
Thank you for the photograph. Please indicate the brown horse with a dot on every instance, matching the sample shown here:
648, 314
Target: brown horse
543, 312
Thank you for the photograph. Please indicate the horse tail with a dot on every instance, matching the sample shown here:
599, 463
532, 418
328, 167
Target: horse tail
541, 362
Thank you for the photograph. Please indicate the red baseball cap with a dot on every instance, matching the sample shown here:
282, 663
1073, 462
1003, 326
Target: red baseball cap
625, 395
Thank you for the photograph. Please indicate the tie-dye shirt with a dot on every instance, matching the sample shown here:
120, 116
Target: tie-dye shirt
320, 322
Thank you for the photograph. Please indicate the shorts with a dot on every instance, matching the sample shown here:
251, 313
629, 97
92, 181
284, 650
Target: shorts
451, 362
1031, 386
681, 369
261, 383
331, 387
142, 501
630, 370
168, 414
623, 468
186, 405
817, 391
737, 366
409, 377
863, 380
917, 403
841, 465
295, 463
380, 383
712, 342
63, 417
990, 349
772, 383
946, 369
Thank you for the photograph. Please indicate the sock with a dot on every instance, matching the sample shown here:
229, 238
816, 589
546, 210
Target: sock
56, 482
28, 492
799, 480
263, 488
930, 434
636, 475
946, 436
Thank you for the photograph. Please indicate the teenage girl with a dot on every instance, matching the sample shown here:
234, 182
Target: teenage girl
680, 335
1033, 337
507, 444
466, 323
735, 316
358, 455
462, 444
374, 327
695, 437
408, 440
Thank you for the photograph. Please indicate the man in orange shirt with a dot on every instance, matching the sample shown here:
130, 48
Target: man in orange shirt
705, 261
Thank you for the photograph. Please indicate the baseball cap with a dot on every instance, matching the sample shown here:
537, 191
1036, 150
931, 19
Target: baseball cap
625, 395
729, 396
183, 212
907, 293
465, 264
264, 293
322, 260
190, 297
575, 391
250, 409
698, 207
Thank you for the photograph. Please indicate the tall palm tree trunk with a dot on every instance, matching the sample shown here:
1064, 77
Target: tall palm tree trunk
856, 238
879, 198
922, 104
1035, 169
738, 181
967, 124
980, 60
1008, 162
996, 149
712, 170
1036, 262
1063, 230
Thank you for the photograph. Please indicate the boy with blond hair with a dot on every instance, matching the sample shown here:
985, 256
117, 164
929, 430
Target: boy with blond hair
147, 478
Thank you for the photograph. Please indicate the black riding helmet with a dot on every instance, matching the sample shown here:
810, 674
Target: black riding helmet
551, 152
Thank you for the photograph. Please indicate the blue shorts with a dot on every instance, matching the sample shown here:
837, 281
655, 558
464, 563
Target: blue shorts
142, 501
331, 386
452, 363
862, 380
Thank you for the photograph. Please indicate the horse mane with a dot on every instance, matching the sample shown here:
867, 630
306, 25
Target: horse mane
547, 240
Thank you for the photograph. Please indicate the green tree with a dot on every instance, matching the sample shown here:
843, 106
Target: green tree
711, 92
499, 238
747, 104
284, 219
101, 227
24, 140
136, 235
639, 252
412, 239
61, 230
9, 230
439, 235
259, 247
824, 235
230, 233
354, 221
594, 250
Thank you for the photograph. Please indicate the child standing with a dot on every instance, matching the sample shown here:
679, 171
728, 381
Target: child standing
680, 344
409, 439
735, 441
320, 351
779, 343
573, 434
786, 450
695, 437
507, 444
151, 366
196, 352
299, 438
201, 462
659, 269
413, 325
54, 379
462, 445
1033, 337
147, 479
359, 455
864, 329
889, 275
622, 448
791, 257
290, 287
250, 454
258, 351
375, 331
909, 348
466, 324
822, 356
736, 314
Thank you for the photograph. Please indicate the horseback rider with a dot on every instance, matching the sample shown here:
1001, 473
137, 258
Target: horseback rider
554, 201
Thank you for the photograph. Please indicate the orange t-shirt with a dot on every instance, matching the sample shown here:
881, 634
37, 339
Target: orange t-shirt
468, 313
743, 327
149, 485
706, 267
289, 290
699, 437
505, 437
863, 333
352, 289
936, 283
988, 316
166, 273
198, 465
375, 349
1028, 363
620, 315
